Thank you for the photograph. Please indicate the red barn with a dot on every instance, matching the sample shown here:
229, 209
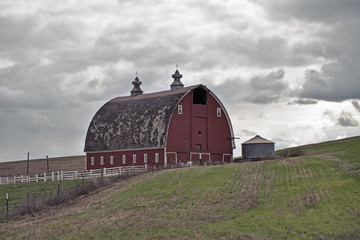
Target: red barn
182, 125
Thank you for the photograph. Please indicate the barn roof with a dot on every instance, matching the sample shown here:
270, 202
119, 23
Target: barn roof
133, 122
256, 140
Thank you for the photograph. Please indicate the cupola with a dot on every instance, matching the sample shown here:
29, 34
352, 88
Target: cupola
136, 90
177, 84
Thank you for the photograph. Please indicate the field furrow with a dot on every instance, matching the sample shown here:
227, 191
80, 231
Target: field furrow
315, 196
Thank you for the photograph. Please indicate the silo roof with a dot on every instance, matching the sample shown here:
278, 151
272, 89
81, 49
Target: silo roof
256, 140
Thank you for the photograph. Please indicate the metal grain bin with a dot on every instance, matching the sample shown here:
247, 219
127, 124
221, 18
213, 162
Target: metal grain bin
257, 148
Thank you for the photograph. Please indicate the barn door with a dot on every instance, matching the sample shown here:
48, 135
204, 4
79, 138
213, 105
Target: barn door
199, 134
172, 159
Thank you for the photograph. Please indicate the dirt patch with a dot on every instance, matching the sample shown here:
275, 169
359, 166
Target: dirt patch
353, 169
306, 200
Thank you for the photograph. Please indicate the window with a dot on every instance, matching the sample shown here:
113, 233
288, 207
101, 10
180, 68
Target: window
218, 112
92, 161
124, 159
101, 160
145, 158
199, 96
111, 160
134, 158
198, 147
180, 110
156, 157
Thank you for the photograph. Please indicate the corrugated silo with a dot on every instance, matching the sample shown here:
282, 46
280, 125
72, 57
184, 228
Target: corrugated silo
257, 148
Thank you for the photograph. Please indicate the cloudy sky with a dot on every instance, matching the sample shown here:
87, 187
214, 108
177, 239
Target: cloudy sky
288, 70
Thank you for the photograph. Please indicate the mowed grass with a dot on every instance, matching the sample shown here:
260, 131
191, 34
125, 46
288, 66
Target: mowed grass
315, 196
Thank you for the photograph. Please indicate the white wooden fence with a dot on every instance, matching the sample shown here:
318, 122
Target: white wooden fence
71, 175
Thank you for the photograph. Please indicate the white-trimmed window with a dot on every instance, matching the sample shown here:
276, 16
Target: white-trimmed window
156, 157
218, 112
111, 160
92, 161
124, 159
180, 109
134, 158
102, 160
145, 158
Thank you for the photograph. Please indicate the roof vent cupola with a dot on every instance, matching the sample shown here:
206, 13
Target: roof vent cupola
136, 90
177, 84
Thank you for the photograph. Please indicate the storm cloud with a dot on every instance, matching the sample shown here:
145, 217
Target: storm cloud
356, 105
303, 101
61, 61
335, 36
260, 89
347, 120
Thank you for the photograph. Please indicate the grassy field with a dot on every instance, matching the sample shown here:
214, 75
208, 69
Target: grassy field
315, 196
19, 193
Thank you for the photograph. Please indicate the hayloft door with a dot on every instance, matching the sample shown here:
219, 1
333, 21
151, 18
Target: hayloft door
199, 134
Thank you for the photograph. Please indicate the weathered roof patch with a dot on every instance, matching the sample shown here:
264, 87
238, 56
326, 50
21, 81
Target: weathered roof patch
133, 122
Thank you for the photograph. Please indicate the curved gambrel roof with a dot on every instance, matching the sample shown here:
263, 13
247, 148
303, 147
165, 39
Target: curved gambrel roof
133, 122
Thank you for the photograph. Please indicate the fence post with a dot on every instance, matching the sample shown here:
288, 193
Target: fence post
119, 171
44, 176
76, 174
104, 172
52, 176
7, 205
27, 201
0, 181
62, 175
90, 173
58, 188
7, 180
37, 177
58, 175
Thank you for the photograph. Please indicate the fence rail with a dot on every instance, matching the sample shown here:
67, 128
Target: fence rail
71, 175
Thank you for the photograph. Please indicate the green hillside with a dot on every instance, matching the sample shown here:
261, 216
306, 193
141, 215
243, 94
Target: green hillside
314, 196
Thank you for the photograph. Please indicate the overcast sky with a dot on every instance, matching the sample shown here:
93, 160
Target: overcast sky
288, 70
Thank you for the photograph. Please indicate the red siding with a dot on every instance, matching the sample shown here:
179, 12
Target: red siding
227, 158
180, 128
205, 158
199, 130
183, 157
197, 134
219, 130
129, 158
195, 157
216, 157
